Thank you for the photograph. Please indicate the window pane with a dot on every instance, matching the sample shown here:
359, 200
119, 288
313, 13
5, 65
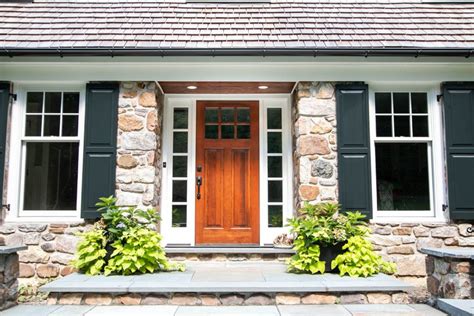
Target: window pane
179, 190
211, 131
401, 103
71, 102
180, 118
383, 103
402, 125
34, 102
70, 125
274, 167
384, 126
274, 142
33, 125
275, 216
420, 126
402, 177
179, 216
180, 166
227, 131
275, 191
52, 102
419, 103
211, 115
227, 115
243, 115
243, 131
273, 118
51, 125
180, 142
51, 176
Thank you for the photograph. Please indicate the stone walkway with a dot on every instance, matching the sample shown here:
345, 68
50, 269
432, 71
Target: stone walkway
280, 310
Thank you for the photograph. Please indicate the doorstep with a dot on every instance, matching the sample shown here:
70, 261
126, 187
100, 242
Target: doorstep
456, 307
170, 249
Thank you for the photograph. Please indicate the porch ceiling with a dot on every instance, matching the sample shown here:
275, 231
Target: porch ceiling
227, 87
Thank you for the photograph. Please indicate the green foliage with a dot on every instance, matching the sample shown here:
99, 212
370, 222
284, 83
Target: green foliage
91, 252
361, 260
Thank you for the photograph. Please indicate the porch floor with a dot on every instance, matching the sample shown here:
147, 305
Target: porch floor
225, 277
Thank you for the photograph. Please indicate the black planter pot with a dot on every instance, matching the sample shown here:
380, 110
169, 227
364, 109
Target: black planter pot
329, 253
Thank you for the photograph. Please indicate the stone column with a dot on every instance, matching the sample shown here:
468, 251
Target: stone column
315, 152
9, 273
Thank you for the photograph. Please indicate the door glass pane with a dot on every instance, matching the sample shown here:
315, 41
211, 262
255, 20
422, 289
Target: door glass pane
34, 102
180, 118
179, 190
71, 102
33, 125
180, 142
419, 103
243, 131
401, 103
275, 191
420, 126
384, 126
383, 103
402, 125
52, 102
274, 118
180, 166
51, 173
210, 115
274, 142
274, 167
70, 125
227, 131
51, 125
243, 115
227, 115
402, 177
179, 215
211, 131
275, 216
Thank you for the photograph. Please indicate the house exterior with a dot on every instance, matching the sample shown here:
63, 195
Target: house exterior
226, 117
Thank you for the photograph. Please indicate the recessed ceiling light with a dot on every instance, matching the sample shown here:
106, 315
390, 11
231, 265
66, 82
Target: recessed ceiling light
263, 87
192, 87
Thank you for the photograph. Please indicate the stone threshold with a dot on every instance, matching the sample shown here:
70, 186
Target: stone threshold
226, 250
453, 252
455, 307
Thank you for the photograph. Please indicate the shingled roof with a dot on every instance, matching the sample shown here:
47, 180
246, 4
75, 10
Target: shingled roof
156, 26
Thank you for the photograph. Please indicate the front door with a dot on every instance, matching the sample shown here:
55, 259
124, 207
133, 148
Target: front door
227, 175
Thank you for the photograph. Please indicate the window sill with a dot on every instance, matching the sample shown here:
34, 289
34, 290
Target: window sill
44, 220
409, 220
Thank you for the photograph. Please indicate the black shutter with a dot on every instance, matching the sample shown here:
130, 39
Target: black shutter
100, 145
4, 101
352, 108
459, 126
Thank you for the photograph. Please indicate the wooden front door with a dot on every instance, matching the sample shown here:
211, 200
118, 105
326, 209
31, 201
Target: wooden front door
227, 176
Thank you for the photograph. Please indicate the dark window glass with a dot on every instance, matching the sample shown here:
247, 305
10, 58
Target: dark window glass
51, 176
227, 131
51, 125
180, 118
34, 102
179, 216
33, 125
179, 190
275, 167
384, 126
273, 118
275, 191
70, 125
227, 115
275, 216
402, 125
211, 115
71, 102
274, 142
180, 142
243, 131
52, 102
243, 115
419, 103
402, 177
420, 126
383, 103
211, 131
401, 103
180, 166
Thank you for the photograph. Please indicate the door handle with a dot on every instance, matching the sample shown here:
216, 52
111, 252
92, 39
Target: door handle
198, 183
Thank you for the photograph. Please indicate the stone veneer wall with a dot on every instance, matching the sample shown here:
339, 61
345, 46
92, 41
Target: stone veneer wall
8, 277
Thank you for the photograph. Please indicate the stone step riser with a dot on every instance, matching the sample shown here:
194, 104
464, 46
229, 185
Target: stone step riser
228, 257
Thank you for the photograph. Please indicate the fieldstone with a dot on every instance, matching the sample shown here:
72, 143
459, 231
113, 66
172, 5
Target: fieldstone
33, 255
319, 299
129, 299
432, 285
7, 229
47, 271
128, 199
466, 241
70, 299
139, 141
151, 121
325, 90
328, 194
184, 299
14, 239
130, 122
128, 85
312, 144
321, 126
451, 241
128, 94
316, 107
429, 262
428, 243
48, 237
209, 300
26, 270
379, 298
309, 192
461, 267
327, 183
147, 99
302, 126
258, 299
52, 299
127, 162
58, 228
353, 299
67, 270
401, 298
133, 187
403, 250
386, 240
32, 228
410, 265
384, 230
441, 266
408, 239
287, 299
155, 299
66, 243
31, 238
97, 299
433, 225
462, 229
421, 231
321, 168
444, 232
402, 231
61, 258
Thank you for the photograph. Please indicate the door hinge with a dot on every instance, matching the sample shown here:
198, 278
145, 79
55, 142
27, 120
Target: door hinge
438, 97
445, 207
6, 206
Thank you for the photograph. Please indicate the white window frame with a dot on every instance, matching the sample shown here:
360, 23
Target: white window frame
186, 235
17, 155
435, 153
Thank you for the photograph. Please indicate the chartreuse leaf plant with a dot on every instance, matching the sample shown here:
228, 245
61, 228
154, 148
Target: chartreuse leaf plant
123, 241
